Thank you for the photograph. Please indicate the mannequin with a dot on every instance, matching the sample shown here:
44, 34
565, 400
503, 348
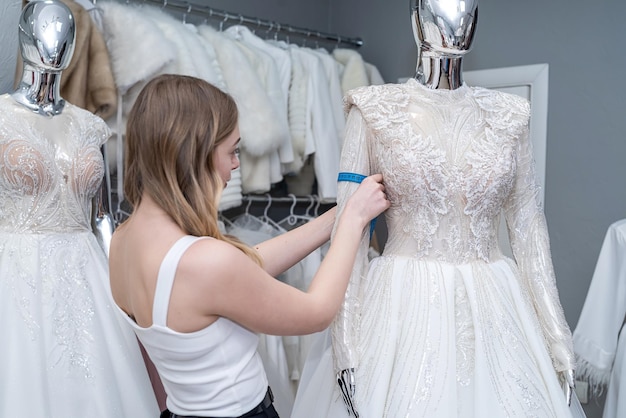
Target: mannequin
47, 50
443, 323
65, 353
444, 33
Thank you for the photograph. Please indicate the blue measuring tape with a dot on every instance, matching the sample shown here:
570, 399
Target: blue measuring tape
356, 178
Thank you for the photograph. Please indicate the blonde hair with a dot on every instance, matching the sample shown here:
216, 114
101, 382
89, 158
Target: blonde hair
172, 132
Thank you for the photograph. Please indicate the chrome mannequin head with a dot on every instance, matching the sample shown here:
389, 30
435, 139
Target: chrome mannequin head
443, 31
47, 33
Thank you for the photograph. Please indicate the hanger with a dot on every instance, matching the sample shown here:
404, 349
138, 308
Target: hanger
276, 32
258, 25
247, 212
189, 10
316, 212
265, 217
238, 29
243, 215
267, 32
227, 222
226, 17
338, 42
293, 219
307, 213
304, 39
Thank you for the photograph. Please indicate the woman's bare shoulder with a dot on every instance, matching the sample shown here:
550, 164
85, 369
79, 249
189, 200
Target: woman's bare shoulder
211, 271
213, 254
214, 258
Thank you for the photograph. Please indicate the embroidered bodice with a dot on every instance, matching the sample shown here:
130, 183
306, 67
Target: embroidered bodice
50, 168
450, 160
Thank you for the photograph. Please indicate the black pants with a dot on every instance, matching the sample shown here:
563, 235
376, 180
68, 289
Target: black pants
268, 413
263, 410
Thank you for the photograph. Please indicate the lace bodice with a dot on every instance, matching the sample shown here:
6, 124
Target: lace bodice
50, 168
452, 161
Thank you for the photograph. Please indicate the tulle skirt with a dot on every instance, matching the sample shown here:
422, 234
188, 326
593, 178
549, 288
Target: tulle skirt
440, 340
65, 353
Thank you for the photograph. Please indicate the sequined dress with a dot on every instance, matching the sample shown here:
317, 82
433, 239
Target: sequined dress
442, 324
64, 352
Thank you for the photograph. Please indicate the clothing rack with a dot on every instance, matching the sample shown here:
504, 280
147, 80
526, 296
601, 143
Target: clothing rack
188, 8
280, 206
282, 199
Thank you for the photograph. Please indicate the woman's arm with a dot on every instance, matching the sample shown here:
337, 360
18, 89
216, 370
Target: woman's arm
229, 284
284, 251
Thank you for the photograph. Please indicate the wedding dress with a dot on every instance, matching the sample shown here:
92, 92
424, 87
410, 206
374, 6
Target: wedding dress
442, 324
64, 353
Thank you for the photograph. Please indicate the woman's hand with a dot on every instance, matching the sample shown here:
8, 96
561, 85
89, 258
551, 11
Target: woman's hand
368, 201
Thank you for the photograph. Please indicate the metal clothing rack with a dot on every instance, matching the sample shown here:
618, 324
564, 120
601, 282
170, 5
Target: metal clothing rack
188, 8
281, 206
282, 199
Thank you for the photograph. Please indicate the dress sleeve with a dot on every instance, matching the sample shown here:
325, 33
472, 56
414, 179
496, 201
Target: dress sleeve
345, 328
596, 337
528, 234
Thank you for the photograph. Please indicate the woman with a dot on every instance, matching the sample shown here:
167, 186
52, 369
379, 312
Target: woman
197, 298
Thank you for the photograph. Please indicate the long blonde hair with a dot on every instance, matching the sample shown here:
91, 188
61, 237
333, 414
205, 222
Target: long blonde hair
172, 132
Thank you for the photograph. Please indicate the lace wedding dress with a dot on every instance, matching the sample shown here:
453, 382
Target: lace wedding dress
442, 324
64, 353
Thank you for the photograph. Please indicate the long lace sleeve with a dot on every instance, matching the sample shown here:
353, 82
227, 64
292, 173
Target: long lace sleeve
530, 243
345, 328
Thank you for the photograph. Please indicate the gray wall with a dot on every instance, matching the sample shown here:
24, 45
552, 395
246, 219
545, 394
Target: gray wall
586, 152
9, 14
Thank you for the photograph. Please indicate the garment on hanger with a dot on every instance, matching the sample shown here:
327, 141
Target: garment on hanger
599, 340
442, 324
273, 65
323, 140
354, 71
333, 68
65, 353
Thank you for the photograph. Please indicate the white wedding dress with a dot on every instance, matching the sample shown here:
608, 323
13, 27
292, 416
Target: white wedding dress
64, 353
442, 324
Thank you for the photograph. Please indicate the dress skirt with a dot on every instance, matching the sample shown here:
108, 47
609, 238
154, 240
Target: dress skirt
65, 352
440, 340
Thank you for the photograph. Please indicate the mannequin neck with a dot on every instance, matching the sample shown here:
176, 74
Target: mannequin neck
40, 91
439, 72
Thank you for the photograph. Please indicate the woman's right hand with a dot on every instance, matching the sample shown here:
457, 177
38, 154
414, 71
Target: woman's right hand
368, 201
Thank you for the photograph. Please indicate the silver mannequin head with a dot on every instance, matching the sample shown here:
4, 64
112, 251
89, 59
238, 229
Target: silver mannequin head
444, 32
47, 32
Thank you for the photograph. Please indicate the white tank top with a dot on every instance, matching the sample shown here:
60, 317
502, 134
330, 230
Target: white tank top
213, 372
